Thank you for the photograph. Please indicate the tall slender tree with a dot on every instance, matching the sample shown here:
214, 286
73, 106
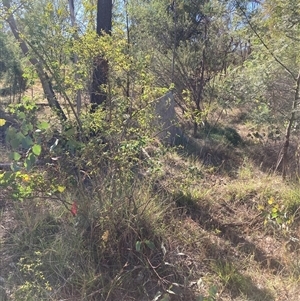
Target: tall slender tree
75, 59
38, 65
191, 46
100, 72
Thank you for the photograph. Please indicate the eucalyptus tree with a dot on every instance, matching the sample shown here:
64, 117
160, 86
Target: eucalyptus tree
100, 72
191, 43
11, 72
36, 42
270, 79
281, 19
46, 31
75, 57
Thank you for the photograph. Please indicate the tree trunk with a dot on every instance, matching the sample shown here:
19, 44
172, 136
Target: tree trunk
45, 81
289, 128
76, 76
200, 86
127, 89
100, 72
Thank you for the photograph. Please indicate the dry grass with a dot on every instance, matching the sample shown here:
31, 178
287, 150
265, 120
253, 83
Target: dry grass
197, 223
237, 239
209, 224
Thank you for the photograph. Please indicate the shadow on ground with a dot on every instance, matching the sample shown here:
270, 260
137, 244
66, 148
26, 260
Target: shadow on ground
235, 282
224, 148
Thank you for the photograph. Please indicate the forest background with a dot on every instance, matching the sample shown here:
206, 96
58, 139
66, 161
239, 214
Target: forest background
149, 150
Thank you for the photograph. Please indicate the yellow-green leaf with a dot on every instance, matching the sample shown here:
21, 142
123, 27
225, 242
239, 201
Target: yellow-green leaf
260, 207
61, 189
2, 122
36, 149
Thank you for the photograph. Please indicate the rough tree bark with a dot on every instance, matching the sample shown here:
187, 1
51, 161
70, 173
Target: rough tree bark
100, 72
45, 81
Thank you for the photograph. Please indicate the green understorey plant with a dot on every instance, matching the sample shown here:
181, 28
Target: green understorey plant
100, 198
277, 214
27, 147
34, 284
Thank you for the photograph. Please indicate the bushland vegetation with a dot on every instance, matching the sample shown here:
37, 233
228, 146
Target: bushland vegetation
149, 150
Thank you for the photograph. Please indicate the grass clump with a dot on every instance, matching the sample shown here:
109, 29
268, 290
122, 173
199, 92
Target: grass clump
113, 247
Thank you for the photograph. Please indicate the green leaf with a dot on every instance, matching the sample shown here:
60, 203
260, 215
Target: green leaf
26, 128
27, 142
43, 125
21, 115
138, 246
16, 156
17, 139
9, 176
15, 166
150, 244
14, 143
29, 161
213, 291
36, 149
